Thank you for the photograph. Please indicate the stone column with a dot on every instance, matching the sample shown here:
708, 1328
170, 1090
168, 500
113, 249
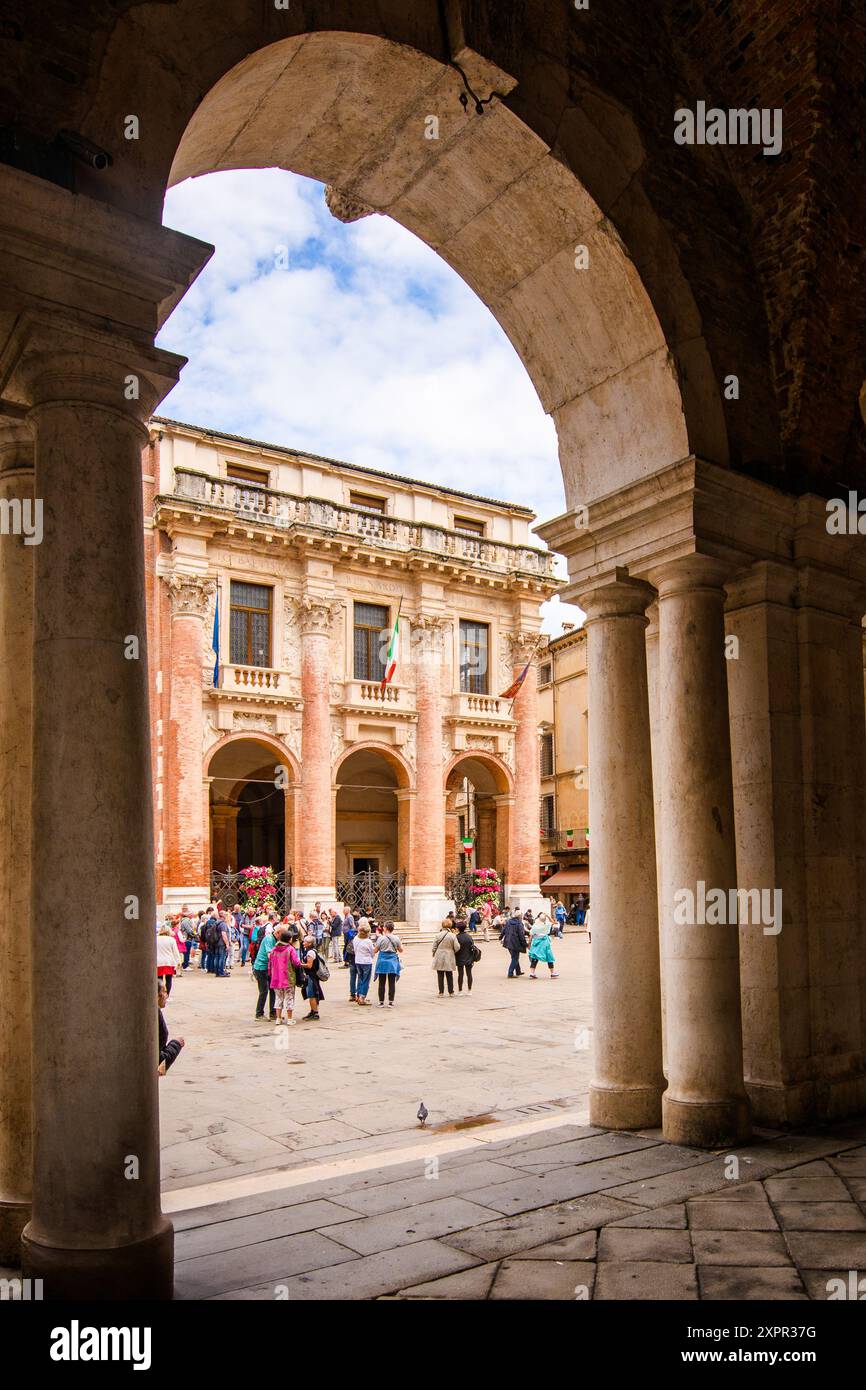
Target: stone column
425, 899
627, 1081
96, 1229
315, 879
184, 856
705, 1104
405, 829
486, 843
523, 888
225, 836
504, 812
16, 655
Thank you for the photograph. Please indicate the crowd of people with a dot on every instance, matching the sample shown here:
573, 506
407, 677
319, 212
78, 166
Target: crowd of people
294, 953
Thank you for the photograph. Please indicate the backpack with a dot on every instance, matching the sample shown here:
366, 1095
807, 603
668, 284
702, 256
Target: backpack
212, 934
476, 954
321, 967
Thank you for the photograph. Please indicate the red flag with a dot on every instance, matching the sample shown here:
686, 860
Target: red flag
512, 690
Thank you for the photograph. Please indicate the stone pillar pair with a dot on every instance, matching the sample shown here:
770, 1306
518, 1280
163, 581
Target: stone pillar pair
315, 876
426, 902
524, 816
704, 1103
186, 872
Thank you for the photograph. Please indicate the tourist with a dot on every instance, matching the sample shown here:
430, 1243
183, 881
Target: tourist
497, 922
260, 971
349, 936
169, 1049
363, 953
466, 956
313, 991
388, 948
445, 955
474, 921
211, 939
245, 930
348, 926
168, 957
223, 955
283, 962
513, 938
336, 936
486, 918
586, 924
540, 947
189, 929
580, 914
561, 917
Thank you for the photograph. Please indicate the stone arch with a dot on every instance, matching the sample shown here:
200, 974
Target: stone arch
391, 755
241, 827
499, 771
267, 741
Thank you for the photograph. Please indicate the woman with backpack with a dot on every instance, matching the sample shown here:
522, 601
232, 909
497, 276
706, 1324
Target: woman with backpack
388, 948
466, 956
445, 955
312, 964
284, 964
363, 954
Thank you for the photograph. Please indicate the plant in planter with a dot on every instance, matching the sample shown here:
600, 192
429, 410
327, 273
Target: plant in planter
257, 891
483, 887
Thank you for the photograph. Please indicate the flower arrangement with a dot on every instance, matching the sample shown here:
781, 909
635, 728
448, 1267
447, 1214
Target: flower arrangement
258, 890
483, 887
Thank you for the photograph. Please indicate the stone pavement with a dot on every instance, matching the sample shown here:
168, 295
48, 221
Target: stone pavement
246, 1097
562, 1211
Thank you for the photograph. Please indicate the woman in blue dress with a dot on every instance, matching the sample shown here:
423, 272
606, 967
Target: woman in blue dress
540, 948
388, 948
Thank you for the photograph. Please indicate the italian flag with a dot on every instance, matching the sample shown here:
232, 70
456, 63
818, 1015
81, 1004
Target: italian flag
391, 658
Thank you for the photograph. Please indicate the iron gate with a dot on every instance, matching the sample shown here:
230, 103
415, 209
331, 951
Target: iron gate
225, 888
457, 889
372, 893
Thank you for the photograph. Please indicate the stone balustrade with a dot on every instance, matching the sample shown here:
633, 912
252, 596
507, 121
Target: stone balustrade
285, 512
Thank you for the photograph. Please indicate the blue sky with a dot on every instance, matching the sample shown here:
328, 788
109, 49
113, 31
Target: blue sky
353, 341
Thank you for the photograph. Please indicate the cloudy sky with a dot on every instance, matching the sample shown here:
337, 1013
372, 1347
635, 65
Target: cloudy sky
356, 342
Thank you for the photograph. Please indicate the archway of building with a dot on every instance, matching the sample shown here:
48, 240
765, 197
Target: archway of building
478, 802
371, 812
250, 806
625, 363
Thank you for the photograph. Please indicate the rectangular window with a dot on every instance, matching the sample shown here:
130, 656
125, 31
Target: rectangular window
240, 473
547, 815
368, 502
372, 631
467, 526
545, 674
547, 755
474, 648
250, 624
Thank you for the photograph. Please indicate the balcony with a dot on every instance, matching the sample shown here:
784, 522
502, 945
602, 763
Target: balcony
258, 506
369, 694
488, 709
252, 680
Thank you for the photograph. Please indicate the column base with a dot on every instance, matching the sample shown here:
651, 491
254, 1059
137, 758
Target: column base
526, 896
707, 1124
195, 898
13, 1218
141, 1270
305, 899
625, 1107
426, 907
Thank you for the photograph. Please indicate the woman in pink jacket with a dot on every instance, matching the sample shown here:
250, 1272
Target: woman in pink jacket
283, 962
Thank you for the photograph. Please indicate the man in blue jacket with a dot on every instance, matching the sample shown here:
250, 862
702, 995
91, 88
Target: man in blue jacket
514, 940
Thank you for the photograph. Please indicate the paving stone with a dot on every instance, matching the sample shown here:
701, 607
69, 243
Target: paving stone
560, 1155
646, 1280
739, 1248
251, 1230
273, 1260
828, 1249
731, 1216
823, 1286
579, 1247
391, 1196
683, 1183
857, 1187
658, 1219
470, 1284
749, 1283
370, 1234
803, 1186
666, 1247
564, 1183
792, 1148
851, 1164
544, 1279
821, 1216
368, 1277
508, 1236
513, 1148
733, 1192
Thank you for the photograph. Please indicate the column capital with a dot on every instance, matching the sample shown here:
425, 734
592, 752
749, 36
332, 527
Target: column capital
428, 636
616, 596
689, 573
316, 614
190, 594
523, 644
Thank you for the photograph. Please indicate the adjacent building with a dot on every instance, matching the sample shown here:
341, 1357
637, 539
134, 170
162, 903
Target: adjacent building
564, 759
275, 581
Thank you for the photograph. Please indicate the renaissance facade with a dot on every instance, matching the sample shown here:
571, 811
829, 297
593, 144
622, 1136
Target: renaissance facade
275, 582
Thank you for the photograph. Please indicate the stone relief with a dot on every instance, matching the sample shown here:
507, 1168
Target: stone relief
338, 743
191, 595
508, 755
483, 741
261, 723
447, 749
409, 748
210, 735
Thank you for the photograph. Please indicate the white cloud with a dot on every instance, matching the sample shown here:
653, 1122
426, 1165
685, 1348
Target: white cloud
367, 347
